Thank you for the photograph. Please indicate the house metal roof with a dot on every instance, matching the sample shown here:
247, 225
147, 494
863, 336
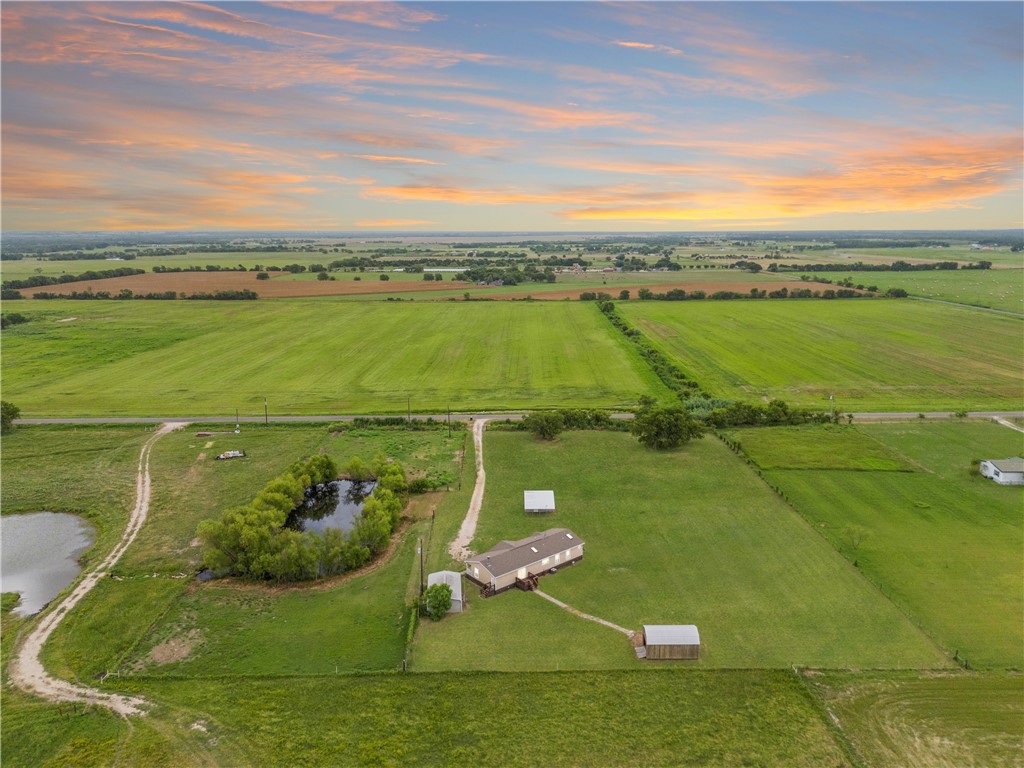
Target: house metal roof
671, 634
544, 500
451, 578
521, 553
1015, 464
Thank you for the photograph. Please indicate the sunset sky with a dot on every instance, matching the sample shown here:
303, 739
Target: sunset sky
512, 116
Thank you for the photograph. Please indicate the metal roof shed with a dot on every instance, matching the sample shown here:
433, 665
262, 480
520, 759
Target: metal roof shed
539, 501
671, 641
453, 580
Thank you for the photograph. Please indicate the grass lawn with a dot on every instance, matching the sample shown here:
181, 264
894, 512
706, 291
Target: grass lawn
900, 719
193, 358
944, 545
820, 447
874, 355
688, 536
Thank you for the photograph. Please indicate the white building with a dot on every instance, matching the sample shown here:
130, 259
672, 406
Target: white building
539, 501
1004, 471
453, 580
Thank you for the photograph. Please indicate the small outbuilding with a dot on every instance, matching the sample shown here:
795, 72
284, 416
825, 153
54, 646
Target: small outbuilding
453, 580
1004, 471
671, 641
538, 502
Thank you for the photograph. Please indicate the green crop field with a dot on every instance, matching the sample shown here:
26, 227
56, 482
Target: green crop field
943, 544
873, 355
667, 541
995, 288
898, 719
200, 358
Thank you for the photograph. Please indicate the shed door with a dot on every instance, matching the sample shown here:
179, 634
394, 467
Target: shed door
522, 573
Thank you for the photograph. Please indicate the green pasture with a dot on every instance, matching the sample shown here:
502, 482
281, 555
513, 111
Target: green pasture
898, 719
87, 471
994, 288
830, 446
873, 355
153, 599
200, 358
687, 536
722, 718
944, 545
962, 252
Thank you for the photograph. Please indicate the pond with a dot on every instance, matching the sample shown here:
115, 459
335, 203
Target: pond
39, 555
331, 505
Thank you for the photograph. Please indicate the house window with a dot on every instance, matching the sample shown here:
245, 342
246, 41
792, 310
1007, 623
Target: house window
476, 571
558, 556
545, 561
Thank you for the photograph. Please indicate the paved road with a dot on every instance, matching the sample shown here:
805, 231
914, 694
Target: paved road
515, 416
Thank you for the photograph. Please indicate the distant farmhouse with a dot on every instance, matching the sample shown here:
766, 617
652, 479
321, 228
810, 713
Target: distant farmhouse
453, 580
519, 563
1004, 471
538, 502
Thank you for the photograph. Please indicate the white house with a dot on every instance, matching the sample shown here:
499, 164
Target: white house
510, 564
1004, 471
539, 501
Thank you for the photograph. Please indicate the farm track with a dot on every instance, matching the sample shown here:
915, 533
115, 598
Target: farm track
26, 669
459, 548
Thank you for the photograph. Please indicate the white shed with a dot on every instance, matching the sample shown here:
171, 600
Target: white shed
539, 501
1004, 471
453, 580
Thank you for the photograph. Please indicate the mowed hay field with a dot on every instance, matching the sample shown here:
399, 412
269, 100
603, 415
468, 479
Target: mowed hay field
686, 536
873, 355
204, 358
1001, 289
943, 544
899, 719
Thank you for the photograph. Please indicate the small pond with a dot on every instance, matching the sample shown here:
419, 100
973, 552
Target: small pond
331, 505
39, 555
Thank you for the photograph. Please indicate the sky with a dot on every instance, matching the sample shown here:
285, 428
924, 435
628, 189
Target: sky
512, 116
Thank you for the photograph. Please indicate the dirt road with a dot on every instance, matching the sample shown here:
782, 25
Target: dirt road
27, 671
459, 548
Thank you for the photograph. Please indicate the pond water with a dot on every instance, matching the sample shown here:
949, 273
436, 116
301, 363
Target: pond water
331, 505
39, 555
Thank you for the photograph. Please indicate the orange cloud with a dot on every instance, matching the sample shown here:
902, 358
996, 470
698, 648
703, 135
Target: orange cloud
392, 223
376, 14
397, 159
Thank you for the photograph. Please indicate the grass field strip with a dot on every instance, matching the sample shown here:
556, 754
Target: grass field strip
27, 670
582, 615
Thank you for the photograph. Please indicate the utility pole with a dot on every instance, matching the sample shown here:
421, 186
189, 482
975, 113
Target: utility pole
419, 549
266, 413
408, 413
449, 421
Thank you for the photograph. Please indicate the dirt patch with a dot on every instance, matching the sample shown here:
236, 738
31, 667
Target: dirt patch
176, 649
67, 319
202, 457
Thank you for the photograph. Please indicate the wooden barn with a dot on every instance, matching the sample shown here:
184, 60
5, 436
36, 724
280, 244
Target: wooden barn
538, 502
671, 641
519, 563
